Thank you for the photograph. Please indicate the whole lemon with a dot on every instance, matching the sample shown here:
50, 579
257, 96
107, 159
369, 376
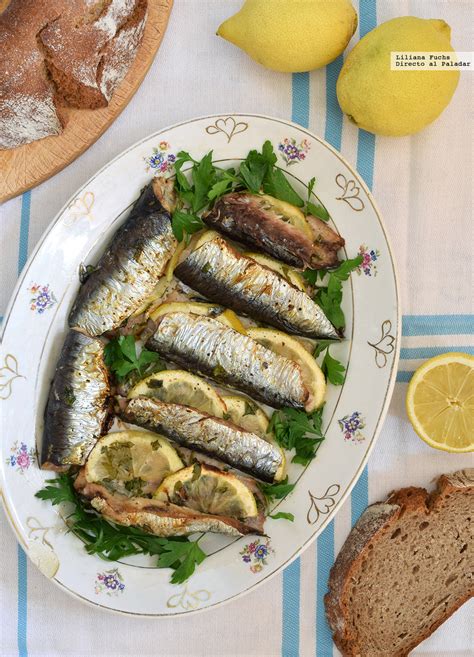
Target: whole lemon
292, 35
396, 102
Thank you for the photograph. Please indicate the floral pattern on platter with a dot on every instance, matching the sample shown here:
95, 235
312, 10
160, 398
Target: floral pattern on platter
369, 258
42, 298
291, 152
160, 161
351, 426
21, 457
110, 582
256, 553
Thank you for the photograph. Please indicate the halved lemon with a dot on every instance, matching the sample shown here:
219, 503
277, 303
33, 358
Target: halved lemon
288, 213
247, 414
132, 463
180, 387
208, 490
440, 402
291, 348
223, 315
291, 275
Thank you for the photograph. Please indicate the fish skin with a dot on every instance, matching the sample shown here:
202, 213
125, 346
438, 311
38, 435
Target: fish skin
203, 432
161, 518
225, 276
249, 219
203, 344
78, 404
128, 271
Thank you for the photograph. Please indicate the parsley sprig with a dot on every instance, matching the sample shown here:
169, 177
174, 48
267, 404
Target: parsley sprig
112, 542
122, 359
298, 431
203, 181
333, 369
329, 296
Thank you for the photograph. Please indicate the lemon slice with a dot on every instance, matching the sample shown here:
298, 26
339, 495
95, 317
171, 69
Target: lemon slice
174, 260
291, 348
286, 272
440, 402
207, 236
289, 213
225, 316
180, 387
247, 414
158, 292
132, 463
208, 490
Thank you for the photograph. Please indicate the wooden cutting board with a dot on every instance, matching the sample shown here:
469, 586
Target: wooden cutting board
26, 166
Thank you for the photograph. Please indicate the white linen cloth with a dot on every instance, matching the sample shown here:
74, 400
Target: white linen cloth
423, 186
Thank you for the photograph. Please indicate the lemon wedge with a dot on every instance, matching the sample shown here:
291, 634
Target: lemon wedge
289, 213
440, 402
208, 490
225, 316
180, 387
291, 348
285, 271
132, 463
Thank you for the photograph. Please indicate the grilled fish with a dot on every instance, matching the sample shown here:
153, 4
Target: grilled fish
78, 404
262, 222
205, 345
224, 275
128, 271
161, 518
197, 430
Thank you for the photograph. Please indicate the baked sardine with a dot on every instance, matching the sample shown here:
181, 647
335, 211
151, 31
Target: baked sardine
78, 404
202, 432
262, 222
204, 345
224, 275
161, 518
128, 271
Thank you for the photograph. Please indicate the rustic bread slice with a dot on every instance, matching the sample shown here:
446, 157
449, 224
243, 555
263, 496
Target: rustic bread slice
406, 566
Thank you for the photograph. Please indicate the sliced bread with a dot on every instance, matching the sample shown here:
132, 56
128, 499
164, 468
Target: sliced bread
406, 566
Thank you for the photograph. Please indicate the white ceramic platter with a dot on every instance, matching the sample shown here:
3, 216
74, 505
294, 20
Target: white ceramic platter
35, 327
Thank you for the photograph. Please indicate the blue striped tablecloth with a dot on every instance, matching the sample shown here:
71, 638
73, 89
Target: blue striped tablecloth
422, 185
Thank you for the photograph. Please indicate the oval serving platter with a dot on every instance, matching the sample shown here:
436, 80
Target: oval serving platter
35, 326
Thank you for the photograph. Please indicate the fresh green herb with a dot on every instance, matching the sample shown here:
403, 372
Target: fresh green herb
329, 296
277, 185
182, 557
69, 396
185, 223
113, 542
298, 430
135, 486
333, 369
282, 514
249, 409
121, 358
226, 416
85, 271
256, 166
316, 209
276, 491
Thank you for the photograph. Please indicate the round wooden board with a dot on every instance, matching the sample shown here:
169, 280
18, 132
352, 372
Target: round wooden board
26, 166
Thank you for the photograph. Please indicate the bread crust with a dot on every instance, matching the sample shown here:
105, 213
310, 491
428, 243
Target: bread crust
62, 52
370, 528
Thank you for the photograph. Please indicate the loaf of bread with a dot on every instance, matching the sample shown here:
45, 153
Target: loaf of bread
62, 53
406, 566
